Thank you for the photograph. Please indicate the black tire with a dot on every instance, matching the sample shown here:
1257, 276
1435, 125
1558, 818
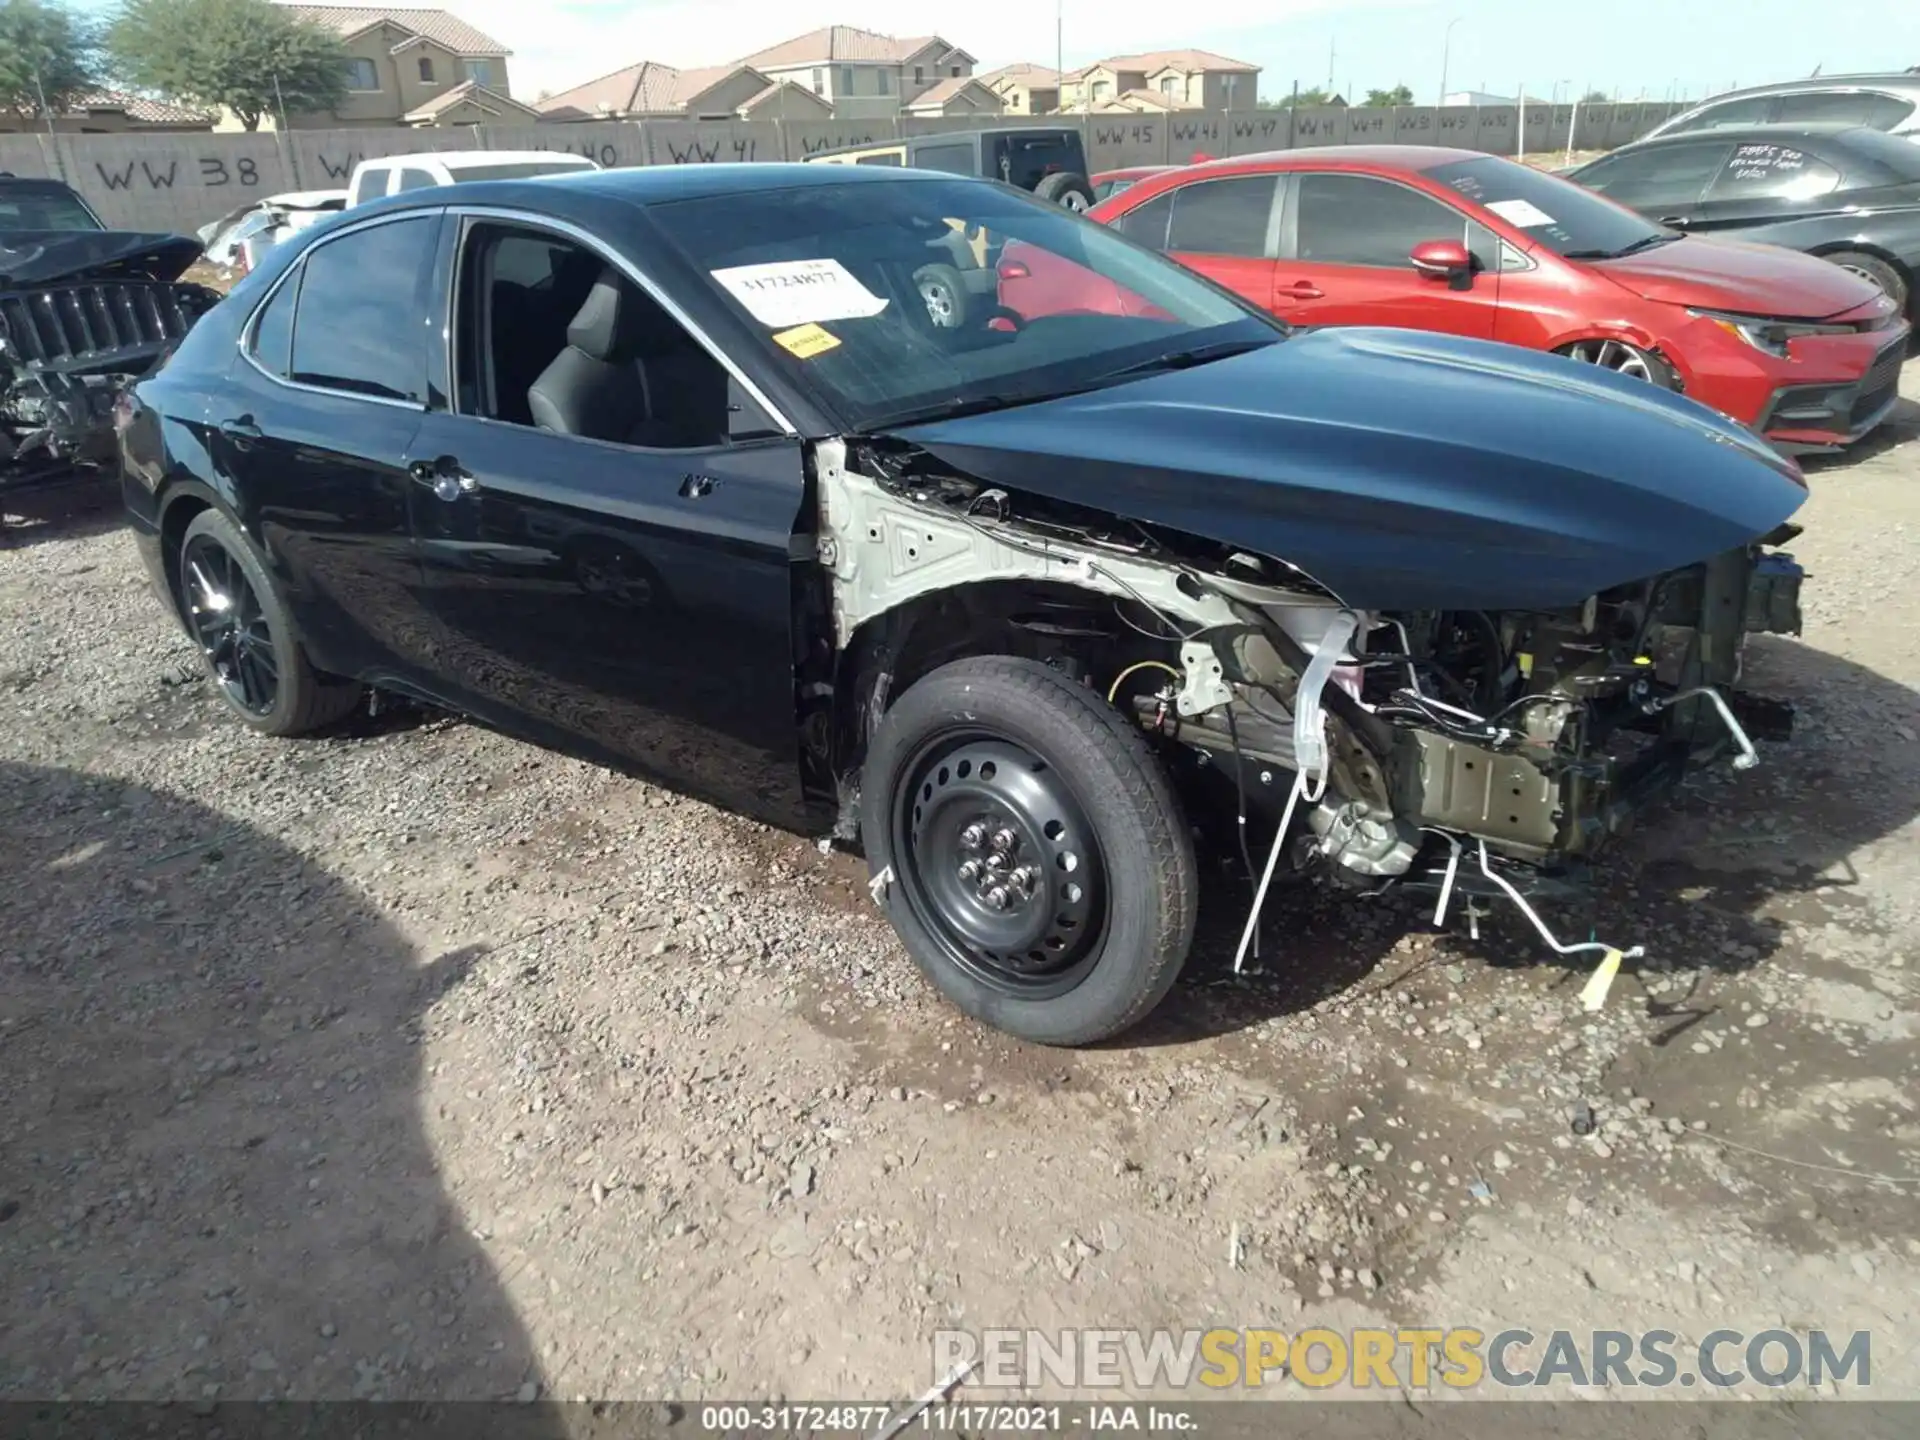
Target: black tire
944, 294
1114, 936
1063, 187
1871, 267
301, 700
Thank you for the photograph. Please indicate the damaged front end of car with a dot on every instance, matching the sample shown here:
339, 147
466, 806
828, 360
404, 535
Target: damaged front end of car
1474, 749
82, 316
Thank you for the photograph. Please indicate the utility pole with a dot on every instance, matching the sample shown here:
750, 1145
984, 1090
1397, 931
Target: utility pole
1446, 50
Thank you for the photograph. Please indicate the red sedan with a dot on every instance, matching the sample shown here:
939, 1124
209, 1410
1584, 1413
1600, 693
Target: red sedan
1472, 244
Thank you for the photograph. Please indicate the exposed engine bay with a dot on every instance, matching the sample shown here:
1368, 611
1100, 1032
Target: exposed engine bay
1473, 754
83, 314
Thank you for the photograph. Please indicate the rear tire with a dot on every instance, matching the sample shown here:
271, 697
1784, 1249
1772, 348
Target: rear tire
1066, 188
998, 774
247, 639
1871, 267
944, 294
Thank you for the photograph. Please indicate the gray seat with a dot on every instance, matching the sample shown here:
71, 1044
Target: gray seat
597, 387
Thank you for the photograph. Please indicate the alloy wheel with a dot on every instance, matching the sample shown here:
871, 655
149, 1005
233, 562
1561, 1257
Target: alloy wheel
228, 624
1617, 356
1000, 864
942, 308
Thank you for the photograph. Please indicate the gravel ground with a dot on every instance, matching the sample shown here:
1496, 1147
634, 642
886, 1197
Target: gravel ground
415, 1062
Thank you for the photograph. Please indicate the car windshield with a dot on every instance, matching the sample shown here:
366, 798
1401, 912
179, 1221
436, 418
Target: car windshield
35, 207
885, 297
1567, 219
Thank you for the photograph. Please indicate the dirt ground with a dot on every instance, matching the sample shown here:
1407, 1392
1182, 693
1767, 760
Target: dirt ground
415, 1062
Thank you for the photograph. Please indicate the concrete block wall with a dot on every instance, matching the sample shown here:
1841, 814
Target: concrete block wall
179, 182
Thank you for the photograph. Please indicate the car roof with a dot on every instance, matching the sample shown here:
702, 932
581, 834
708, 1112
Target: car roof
1323, 157
662, 184
1870, 80
1779, 132
32, 182
462, 159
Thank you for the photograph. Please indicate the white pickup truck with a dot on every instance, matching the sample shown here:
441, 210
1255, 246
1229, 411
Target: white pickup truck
390, 174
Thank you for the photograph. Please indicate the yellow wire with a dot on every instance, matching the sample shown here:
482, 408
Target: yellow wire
1121, 678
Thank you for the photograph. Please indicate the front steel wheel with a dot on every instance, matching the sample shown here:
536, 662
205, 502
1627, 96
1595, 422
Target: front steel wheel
1033, 854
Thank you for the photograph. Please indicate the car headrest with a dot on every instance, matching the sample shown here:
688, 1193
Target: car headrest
607, 324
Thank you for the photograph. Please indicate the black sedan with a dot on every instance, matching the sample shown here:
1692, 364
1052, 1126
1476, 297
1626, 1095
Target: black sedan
675, 470
1845, 193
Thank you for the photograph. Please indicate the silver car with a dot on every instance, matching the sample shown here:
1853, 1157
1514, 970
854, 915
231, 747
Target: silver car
1890, 103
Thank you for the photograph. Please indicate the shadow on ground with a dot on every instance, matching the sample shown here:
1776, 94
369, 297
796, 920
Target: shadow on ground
215, 1178
1703, 880
67, 507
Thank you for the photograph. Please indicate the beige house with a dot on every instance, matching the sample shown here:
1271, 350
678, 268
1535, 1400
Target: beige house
862, 75
1024, 89
108, 112
957, 95
402, 65
650, 90
1180, 79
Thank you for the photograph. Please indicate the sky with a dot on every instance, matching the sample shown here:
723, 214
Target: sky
1684, 47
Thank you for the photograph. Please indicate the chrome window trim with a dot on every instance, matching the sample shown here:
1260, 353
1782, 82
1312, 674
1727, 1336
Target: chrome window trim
593, 244
247, 331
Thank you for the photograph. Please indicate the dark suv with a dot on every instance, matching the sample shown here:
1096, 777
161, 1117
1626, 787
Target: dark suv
1050, 161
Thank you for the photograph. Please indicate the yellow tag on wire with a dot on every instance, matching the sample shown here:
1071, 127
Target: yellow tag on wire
806, 341
1594, 995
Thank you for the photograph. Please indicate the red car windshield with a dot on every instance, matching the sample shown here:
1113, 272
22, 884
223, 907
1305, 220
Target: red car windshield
1570, 221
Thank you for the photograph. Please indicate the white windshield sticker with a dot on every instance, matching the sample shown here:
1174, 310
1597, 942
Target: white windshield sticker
1523, 213
799, 292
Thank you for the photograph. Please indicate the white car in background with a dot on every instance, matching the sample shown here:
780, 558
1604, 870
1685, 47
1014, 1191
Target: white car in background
236, 240
391, 174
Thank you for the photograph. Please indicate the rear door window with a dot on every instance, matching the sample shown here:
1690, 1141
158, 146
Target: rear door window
954, 159
273, 329
1233, 216
1360, 220
1870, 108
372, 184
412, 177
357, 327
1769, 171
1756, 110
1658, 176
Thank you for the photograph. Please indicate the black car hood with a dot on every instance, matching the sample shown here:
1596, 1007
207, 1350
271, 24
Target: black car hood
42, 257
1402, 470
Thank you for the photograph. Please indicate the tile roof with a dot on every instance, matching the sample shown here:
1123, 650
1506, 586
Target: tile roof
436, 25
487, 99
138, 107
944, 91
1025, 73
644, 88
777, 94
1149, 61
844, 42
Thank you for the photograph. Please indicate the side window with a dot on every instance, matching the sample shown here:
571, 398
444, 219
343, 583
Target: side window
1223, 217
272, 347
1358, 220
371, 185
1754, 111
358, 327
550, 336
1859, 107
412, 177
1658, 175
1772, 172
1147, 224
885, 157
954, 159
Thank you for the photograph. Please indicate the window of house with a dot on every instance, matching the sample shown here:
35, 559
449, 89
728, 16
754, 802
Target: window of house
357, 327
819, 82
1358, 220
1167, 83
1223, 217
919, 74
881, 77
846, 80
955, 72
479, 71
360, 74
651, 385
1100, 89
426, 69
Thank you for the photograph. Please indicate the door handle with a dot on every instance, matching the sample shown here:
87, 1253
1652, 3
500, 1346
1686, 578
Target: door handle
1302, 290
445, 475
1678, 222
242, 428
693, 487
